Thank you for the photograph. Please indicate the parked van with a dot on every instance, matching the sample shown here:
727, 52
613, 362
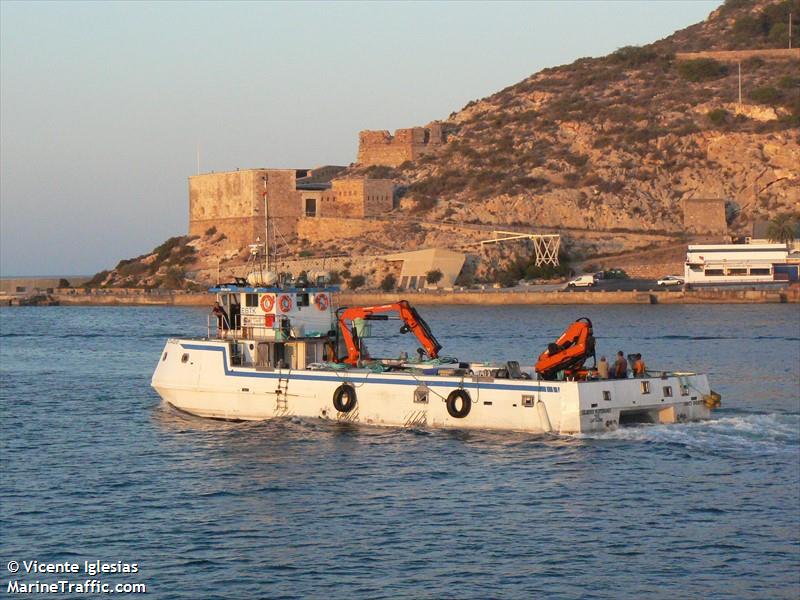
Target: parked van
582, 281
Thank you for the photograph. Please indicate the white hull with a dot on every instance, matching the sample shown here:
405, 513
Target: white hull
196, 376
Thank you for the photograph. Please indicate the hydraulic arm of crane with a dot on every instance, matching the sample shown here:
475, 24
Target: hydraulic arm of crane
412, 321
569, 351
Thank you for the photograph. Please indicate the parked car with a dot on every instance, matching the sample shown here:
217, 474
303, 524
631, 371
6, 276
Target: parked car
582, 281
615, 274
670, 280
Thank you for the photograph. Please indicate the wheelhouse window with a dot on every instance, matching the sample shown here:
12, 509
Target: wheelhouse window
737, 271
251, 300
668, 391
715, 273
311, 354
761, 271
645, 385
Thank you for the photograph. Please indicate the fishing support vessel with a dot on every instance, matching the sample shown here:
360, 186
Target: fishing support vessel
286, 351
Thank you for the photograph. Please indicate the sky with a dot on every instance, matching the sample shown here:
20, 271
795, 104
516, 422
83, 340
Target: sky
103, 106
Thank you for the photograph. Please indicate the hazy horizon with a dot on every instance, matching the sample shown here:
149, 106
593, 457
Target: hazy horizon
103, 105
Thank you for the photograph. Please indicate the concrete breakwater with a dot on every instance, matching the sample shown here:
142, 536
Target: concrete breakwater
499, 297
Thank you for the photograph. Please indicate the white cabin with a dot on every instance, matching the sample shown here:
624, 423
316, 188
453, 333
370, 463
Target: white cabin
273, 327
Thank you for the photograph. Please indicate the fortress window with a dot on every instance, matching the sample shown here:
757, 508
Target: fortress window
311, 207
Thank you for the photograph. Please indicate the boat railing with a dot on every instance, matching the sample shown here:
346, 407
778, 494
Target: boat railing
215, 328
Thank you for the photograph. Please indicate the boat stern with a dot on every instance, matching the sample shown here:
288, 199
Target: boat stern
662, 399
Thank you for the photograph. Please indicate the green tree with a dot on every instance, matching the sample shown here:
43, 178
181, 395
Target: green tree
702, 69
388, 283
433, 277
356, 281
718, 116
782, 229
174, 278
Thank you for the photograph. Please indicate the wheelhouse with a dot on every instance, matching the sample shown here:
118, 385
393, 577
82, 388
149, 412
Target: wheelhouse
275, 327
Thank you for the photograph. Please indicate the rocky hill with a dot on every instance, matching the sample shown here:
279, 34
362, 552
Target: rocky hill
604, 150
620, 141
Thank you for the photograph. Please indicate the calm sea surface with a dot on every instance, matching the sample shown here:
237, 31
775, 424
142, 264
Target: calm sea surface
95, 467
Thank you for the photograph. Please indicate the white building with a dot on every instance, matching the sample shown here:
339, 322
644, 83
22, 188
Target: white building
734, 263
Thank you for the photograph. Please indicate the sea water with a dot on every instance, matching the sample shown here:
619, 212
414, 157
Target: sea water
96, 468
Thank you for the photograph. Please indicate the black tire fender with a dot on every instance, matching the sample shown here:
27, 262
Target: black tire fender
344, 398
452, 400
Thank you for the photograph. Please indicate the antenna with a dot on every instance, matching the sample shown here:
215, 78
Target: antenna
266, 225
198, 158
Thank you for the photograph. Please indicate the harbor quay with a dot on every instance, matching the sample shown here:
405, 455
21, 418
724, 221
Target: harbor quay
790, 294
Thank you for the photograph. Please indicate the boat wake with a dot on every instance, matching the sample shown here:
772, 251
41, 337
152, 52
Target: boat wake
750, 434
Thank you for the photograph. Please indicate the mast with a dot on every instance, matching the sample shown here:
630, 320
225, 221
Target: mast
266, 228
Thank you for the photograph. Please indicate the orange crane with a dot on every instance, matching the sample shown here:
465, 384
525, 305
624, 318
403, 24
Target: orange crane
568, 352
412, 321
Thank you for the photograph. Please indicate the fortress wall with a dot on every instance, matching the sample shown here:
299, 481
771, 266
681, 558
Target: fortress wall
704, 216
357, 198
327, 228
378, 197
220, 195
233, 202
738, 55
239, 231
382, 148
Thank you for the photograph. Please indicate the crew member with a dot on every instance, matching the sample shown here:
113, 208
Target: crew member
639, 367
602, 368
223, 324
621, 366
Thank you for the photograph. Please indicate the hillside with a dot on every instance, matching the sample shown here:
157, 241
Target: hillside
604, 151
620, 141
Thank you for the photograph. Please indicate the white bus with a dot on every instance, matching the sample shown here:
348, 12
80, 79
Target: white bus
733, 263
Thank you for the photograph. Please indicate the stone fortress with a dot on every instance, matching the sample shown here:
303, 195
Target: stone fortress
233, 201
303, 200
383, 149
327, 202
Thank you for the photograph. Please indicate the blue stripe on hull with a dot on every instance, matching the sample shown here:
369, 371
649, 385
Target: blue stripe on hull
367, 377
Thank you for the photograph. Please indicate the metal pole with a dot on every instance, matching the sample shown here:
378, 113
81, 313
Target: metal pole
266, 226
740, 83
790, 31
